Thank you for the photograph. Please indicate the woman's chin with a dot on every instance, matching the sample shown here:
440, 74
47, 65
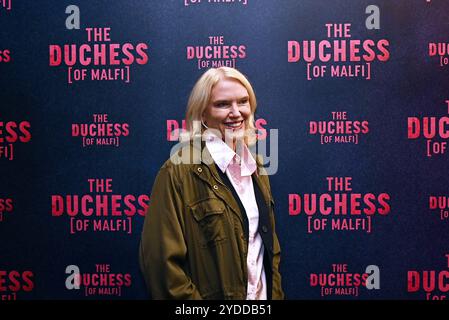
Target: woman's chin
235, 134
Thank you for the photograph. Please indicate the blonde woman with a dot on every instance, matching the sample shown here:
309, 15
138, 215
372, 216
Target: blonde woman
209, 232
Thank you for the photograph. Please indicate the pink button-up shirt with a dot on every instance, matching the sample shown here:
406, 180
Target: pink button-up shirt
239, 169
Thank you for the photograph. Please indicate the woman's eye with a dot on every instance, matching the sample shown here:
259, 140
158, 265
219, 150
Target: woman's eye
244, 101
221, 105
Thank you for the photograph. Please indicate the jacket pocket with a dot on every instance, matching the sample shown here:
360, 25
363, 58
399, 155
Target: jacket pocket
209, 215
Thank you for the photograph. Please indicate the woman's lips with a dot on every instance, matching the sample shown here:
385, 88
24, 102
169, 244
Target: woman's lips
234, 124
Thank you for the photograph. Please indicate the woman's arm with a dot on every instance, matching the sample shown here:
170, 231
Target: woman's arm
163, 251
277, 293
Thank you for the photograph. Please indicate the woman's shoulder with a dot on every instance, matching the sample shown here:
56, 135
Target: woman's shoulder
182, 160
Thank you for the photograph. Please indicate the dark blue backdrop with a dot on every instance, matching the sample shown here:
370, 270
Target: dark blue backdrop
53, 162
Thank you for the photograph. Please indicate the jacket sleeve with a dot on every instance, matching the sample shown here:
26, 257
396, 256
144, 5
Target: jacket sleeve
162, 248
277, 293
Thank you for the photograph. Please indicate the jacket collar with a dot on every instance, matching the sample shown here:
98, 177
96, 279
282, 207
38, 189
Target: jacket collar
202, 157
223, 155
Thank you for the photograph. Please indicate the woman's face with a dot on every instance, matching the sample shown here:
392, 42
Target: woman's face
228, 109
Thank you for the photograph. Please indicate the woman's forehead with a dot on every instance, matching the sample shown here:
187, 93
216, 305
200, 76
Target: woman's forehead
228, 88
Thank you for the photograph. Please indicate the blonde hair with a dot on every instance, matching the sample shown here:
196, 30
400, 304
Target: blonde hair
200, 98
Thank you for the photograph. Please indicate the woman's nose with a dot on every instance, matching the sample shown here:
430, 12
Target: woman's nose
235, 109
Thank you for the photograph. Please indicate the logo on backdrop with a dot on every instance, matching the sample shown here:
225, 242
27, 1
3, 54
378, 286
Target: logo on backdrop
15, 282
100, 210
11, 134
435, 131
440, 51
6, 4
5, 55
217, 53
101, 282
6, 206
430, 284
339, 129
339, 209
100, 132
439, 206
99, 59
217, 2
340, 55
341, 282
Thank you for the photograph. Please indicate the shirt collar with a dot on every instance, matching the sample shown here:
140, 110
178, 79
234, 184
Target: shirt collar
223, 155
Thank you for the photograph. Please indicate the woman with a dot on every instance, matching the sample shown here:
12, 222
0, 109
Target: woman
209, 230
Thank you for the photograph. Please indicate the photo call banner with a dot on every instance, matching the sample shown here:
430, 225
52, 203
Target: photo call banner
352, 107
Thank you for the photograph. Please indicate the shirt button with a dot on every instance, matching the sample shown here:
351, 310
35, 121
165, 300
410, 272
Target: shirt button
215, 187
200, 170
264, 229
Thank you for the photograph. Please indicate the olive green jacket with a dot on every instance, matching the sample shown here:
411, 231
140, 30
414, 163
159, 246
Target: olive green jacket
193, 244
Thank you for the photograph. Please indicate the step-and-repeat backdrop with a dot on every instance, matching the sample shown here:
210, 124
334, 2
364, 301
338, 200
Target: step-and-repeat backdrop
92, 94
